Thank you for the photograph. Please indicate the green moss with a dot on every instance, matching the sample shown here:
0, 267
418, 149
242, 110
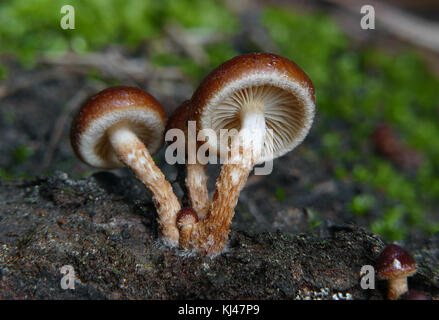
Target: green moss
314, 219
361, 89
217, 53
340, 172
6, 174
293, 33
362, 204
391, 226
9, 117
31, 27
331, 143
21, 154
209, 15
3, 72
189, 67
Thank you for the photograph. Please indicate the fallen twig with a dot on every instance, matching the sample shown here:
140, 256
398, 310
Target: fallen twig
188, 43
62, 121
14, 84
402, 24
249, 14
116, 65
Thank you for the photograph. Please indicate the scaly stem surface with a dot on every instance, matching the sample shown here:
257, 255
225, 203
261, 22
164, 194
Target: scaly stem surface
396, 287
209, 236
133, 153
196, 183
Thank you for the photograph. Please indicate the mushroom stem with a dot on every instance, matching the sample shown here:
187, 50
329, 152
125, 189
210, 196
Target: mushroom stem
210, 234
133, 153
196, 182
396, 287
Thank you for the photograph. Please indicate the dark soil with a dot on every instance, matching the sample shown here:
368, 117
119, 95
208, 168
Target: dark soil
104, 227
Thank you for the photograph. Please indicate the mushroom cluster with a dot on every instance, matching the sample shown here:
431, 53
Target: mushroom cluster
266, 99
270, 102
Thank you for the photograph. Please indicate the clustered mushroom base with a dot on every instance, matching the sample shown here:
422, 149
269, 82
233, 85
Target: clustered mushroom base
210, 234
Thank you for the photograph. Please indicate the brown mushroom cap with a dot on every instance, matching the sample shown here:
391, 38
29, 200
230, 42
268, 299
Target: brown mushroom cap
395, 262
144, 114
186, 216
284, 91
196, 179
179, 120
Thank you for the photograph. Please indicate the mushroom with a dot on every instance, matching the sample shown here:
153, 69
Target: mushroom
122, 126
270, 101
395, 265
186, 220
196, 179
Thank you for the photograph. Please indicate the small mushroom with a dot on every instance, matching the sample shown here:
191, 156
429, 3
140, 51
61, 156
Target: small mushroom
186, 220
270, 101
395, 265
123, 126
196, 179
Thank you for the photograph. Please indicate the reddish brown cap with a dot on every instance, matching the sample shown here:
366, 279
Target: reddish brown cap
179, 120
285, 92
88, 134
180, 116
186, 216
395, 262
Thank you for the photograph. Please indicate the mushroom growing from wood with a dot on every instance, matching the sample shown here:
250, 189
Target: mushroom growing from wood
395, 265
270, 101
123, 126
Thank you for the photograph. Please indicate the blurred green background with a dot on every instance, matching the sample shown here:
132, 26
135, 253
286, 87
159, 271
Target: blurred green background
362, 90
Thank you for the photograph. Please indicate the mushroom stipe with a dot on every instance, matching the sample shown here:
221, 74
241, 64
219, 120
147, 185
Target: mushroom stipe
133, 153
395, 265
196, 178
